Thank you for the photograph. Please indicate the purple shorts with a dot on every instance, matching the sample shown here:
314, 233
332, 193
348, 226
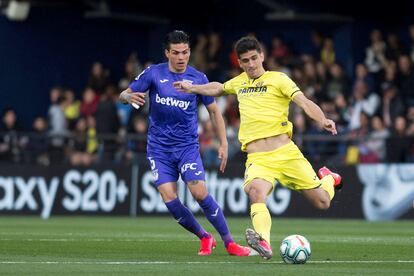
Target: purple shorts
166, 167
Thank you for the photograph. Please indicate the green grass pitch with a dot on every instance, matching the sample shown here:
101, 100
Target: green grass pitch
158, 246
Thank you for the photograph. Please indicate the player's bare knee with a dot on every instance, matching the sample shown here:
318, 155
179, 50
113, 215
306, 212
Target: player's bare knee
256, 195
323, 204
199, 195
197, 189
167, 195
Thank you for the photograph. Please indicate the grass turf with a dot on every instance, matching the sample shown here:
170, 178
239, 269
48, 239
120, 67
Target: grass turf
158, 246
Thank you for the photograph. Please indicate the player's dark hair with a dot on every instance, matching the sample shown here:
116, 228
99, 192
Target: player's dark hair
247, 43
176, 37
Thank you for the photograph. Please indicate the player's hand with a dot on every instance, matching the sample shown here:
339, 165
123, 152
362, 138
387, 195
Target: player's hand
329, 125
137, 98
223, 155
182, 86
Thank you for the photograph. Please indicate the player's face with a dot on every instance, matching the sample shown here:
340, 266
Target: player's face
178, 56
252, 63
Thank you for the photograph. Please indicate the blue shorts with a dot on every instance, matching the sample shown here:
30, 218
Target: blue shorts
167, 166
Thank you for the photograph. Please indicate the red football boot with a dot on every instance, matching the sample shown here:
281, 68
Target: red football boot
237, 250
255, 241
206, 246
324, 171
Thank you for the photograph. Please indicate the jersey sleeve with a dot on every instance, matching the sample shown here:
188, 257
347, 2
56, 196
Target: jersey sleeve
143, 81
229, 86
206, 100
287, 86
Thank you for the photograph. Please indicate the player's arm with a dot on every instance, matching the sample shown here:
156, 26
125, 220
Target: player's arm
133, 94
128, 97
218, 123
209, 89
315, 112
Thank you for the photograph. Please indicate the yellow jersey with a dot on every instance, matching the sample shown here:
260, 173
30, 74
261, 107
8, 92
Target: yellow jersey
263, 104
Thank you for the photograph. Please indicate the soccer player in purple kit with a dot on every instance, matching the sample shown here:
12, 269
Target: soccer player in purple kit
173, 147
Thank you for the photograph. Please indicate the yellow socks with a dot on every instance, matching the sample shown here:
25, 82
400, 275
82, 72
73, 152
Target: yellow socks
262, 222
328, 185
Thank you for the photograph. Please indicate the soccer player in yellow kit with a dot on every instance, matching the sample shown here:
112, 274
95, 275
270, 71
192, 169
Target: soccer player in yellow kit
265, 134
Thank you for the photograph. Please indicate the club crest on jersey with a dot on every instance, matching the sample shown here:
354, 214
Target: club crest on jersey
188, 81
259, 84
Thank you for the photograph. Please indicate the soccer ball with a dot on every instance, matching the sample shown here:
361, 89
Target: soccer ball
295, 249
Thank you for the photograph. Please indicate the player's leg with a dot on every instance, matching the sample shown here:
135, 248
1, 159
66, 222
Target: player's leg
298, 175
181, 213
165, 177
215, 216
192, 172
321, 196
259, 238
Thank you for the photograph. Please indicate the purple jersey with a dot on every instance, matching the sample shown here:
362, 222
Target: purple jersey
173, 119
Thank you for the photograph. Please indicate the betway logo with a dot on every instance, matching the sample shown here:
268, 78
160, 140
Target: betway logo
172, 102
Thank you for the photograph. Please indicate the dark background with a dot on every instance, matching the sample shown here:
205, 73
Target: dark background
59, 40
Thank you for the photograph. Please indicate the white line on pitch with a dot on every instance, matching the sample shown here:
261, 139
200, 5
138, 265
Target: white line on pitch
172, 263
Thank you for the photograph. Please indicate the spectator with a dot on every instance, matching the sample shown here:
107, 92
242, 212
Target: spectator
375, 59
299, 123
107, 123
137, 144
71, 108
311, 80
375, 54
411, 33
328, 55
376, 142
209, 145
394, 48
98, 78
338, 82
398, 143
57, 126
405, 78
199, 54
89, 103
131, 69
280, 50
316, 40
11, 143
106, 115
362, 101
392, 105
357, 137
78, 153
214, 60
361, 73
341, 108
38, 146
56, 116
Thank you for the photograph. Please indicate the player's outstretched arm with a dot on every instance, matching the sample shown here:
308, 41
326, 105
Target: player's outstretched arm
218, 123
315, 112
210, 89
128, 97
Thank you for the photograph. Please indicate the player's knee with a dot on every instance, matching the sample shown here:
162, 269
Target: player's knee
323, 204
256, 195
199, 194
168, 196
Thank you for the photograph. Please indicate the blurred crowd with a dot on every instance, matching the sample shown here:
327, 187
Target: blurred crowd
373, 107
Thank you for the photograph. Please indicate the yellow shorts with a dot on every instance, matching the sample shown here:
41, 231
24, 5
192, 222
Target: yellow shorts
285, 165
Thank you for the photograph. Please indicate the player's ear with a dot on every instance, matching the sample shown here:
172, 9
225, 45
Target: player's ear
167, 53
261, 55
